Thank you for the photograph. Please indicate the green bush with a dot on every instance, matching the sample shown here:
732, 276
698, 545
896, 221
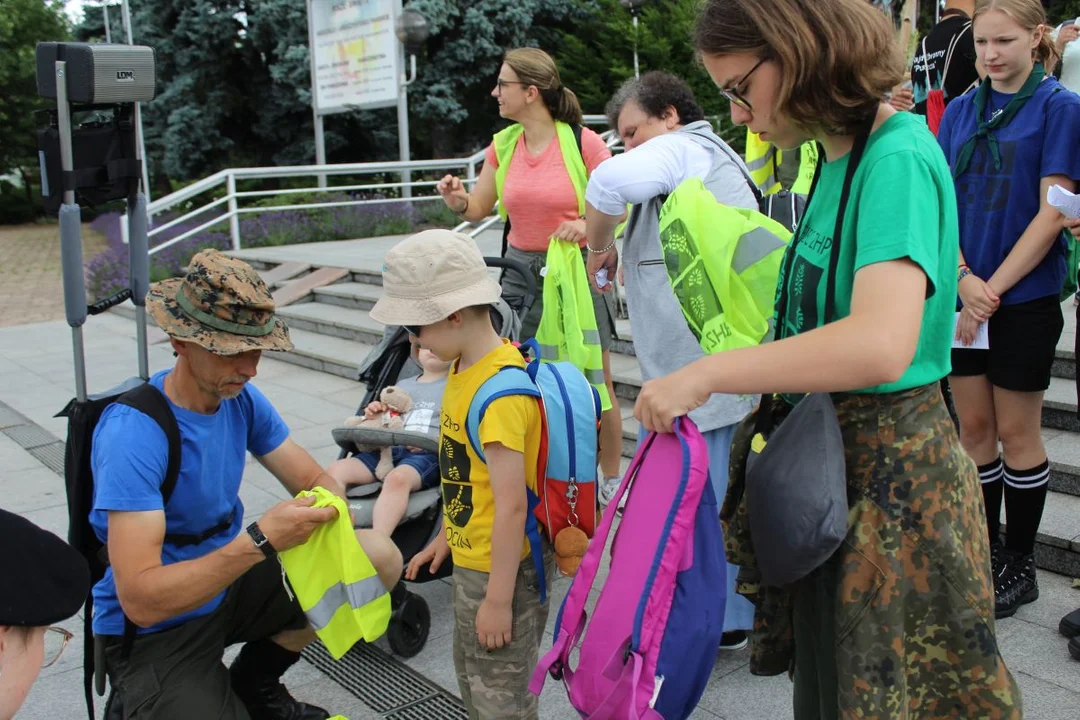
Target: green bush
14, 207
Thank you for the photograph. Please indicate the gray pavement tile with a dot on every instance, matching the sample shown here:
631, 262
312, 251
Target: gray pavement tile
22, 491
1039, 652
294, 422
312, 382
742, 695
58, 696
261, 478
256, 500
314, 409
53, 518
316, 436
1057, 598
1048, 701
13, 458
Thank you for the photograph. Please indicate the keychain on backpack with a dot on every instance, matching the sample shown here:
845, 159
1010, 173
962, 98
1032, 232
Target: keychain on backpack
571, 542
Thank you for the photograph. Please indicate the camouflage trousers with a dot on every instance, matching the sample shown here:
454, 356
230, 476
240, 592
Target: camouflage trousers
495, 684
899, 623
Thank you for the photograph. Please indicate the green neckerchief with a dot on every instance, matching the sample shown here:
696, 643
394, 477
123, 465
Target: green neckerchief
1001, 119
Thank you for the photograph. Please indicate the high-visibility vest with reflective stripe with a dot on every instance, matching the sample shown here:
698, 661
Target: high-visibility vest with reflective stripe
505, 142
763, 158
723, 264
335, 583
568, 331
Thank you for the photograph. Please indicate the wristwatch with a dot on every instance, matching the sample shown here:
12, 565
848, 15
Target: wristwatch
260, 540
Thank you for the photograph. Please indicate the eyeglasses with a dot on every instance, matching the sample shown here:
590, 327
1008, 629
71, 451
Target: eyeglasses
413, 330
501, 84
56, 639
733, 94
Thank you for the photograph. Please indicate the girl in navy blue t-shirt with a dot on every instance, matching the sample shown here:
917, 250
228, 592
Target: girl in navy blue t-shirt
1007, 143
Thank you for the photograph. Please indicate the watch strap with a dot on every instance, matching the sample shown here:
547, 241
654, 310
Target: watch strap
260, 540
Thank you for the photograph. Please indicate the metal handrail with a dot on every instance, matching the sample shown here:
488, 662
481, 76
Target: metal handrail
232, 196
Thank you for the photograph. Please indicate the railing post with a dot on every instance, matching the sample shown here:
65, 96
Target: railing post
470, 172
234, 218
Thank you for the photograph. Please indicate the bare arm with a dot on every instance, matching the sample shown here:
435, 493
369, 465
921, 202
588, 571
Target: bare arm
294, 467
150, 592
507, 468
873, 345
1036, 241
472, 205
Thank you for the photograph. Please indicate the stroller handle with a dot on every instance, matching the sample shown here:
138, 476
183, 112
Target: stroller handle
526, 276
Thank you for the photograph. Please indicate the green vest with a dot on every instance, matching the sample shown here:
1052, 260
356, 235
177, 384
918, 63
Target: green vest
335, 583
567, 331
723, 263
505, 142
762, 159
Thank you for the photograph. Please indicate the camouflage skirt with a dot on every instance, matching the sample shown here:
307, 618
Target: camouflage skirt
909, 602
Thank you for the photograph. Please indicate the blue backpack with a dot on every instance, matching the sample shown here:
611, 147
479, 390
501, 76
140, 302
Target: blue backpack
566, 492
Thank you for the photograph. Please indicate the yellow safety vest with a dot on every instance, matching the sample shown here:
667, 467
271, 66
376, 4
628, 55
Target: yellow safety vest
567, 331
723, 263
763, 158
337, 586
505, 141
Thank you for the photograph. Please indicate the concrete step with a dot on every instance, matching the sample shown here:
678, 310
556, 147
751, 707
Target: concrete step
325, 353
353, 295
333, 320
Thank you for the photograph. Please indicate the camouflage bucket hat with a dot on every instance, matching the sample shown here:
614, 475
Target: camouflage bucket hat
222, 305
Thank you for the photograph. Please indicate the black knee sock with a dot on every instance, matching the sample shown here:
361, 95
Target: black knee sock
1025, 498
264, 658
990, 475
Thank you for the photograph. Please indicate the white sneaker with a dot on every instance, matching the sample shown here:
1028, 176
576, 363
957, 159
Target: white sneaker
608, 488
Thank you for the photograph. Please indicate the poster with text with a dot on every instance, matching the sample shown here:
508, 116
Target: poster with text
354, 54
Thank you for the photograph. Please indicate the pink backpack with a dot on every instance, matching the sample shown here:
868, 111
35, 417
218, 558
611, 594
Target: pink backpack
663, 602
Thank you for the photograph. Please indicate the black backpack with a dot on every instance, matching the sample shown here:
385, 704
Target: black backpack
83, 418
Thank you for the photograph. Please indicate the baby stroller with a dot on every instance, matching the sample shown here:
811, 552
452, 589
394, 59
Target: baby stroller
387, 363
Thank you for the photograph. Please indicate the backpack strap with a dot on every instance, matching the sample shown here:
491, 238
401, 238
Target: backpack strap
509, 382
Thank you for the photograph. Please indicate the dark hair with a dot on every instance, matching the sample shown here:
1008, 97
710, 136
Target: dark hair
535, 67
837, 58
655, 92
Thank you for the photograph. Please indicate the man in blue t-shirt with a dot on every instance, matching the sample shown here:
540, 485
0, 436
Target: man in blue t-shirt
185, 572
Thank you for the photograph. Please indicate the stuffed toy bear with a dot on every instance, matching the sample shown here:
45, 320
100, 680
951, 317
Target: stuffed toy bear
570, 546
398, 403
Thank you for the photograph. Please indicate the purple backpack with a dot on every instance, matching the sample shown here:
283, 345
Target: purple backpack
662, 605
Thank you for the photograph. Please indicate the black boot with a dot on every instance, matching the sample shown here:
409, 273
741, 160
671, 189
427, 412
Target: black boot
256, 679
1016, 585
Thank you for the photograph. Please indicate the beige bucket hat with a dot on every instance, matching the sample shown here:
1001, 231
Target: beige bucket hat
222, 305
431, 275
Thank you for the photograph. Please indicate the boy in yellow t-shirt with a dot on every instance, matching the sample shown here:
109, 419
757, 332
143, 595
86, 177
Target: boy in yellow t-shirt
438, 287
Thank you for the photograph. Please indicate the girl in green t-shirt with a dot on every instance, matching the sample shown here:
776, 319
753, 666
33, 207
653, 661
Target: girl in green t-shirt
885, 627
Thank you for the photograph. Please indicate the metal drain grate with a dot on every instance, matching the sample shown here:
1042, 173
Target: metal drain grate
30, 435
387, 686
51, 456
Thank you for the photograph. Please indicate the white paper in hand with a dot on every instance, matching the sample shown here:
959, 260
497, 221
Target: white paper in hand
982, 338
1064, 201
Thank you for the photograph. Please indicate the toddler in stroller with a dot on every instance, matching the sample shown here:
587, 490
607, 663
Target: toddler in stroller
394, 360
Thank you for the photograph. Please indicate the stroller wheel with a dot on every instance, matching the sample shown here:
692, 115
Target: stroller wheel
409, 627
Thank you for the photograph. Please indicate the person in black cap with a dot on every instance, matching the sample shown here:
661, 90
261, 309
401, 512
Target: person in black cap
43, 580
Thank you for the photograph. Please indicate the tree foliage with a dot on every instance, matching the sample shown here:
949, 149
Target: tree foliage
23, 24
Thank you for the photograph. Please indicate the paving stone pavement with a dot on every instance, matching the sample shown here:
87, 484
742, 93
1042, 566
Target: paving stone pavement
31, 289
36, 380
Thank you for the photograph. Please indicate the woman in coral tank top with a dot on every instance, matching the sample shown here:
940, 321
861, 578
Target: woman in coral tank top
540, 198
